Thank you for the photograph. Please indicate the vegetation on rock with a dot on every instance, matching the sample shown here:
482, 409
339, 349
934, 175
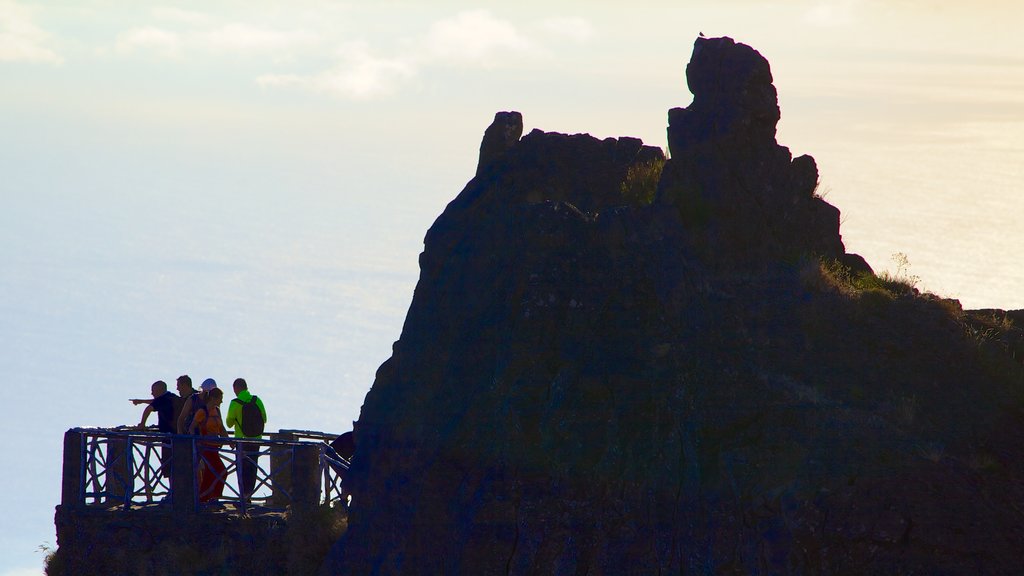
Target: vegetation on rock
641, 183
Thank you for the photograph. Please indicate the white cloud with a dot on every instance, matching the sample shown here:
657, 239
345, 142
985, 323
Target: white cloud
243, 38
574, 28
473, 37
150, 39
358, 75
179, 16
20, 39
469, 39
233, 38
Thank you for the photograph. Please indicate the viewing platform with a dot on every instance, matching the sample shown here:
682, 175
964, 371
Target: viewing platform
140, 470
131, 497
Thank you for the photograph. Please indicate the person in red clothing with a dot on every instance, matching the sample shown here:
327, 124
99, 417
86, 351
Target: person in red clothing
208, 422
192, 403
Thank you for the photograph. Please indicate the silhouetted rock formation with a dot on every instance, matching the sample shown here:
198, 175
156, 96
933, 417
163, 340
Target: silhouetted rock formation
501, 135
744, 197
589, 383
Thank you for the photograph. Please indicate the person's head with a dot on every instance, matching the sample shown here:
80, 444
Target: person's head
159, 388
214, 397
184, 385
208, 385
238, 385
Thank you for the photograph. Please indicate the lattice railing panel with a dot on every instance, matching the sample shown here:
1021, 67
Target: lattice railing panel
138, 469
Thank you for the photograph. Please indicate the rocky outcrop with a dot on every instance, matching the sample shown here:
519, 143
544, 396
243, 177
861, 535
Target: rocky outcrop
501, 135
590, 382
743, 196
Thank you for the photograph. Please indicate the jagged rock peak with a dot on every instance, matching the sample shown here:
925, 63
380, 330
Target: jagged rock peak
745, 200
501, 135
732, 89
541, 167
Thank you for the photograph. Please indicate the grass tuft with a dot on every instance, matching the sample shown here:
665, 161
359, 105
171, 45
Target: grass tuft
830, 275
641, 183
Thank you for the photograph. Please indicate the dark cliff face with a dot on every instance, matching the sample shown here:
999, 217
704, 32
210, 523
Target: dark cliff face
591, 383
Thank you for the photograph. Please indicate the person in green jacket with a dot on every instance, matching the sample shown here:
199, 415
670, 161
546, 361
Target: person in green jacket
236, 419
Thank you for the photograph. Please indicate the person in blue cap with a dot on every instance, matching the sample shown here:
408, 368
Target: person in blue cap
193, 404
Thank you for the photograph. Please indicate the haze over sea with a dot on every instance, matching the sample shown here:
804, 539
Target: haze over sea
241, 189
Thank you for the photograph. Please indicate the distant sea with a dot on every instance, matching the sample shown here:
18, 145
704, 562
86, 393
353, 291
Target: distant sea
110, 282
950, 199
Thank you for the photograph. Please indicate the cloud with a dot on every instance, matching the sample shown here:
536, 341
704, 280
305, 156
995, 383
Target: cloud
243, 39
576, 29
179, 16
470, 39
233, 38
474, 37
359, 70
358, 75
20, 39
150, 39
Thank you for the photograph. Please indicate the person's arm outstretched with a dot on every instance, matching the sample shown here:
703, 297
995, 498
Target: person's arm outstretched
145, 416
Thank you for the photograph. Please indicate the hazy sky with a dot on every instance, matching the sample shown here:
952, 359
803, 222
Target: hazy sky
228, 188
303, 94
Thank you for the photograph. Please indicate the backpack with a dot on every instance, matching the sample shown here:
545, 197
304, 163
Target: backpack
210, 426
252, 419
197, 405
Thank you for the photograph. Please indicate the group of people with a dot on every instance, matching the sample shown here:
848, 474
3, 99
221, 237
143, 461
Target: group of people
197, 412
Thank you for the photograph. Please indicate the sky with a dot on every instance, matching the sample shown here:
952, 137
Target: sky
233, 189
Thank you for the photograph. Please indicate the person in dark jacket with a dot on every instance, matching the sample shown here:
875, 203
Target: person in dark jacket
163, 404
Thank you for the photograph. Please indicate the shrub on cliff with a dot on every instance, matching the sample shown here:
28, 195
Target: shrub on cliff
641, 183
829, 274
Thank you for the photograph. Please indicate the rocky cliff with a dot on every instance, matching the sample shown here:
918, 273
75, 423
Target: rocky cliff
618, 364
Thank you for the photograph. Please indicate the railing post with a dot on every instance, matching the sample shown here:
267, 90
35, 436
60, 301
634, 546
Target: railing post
305, 478
117, 477
281, 469
238, 455
183, 475
91, 471
129, 466
74, 473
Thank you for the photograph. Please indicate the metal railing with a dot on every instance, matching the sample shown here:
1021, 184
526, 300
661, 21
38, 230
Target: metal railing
115, 463
333, 466
124, 468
